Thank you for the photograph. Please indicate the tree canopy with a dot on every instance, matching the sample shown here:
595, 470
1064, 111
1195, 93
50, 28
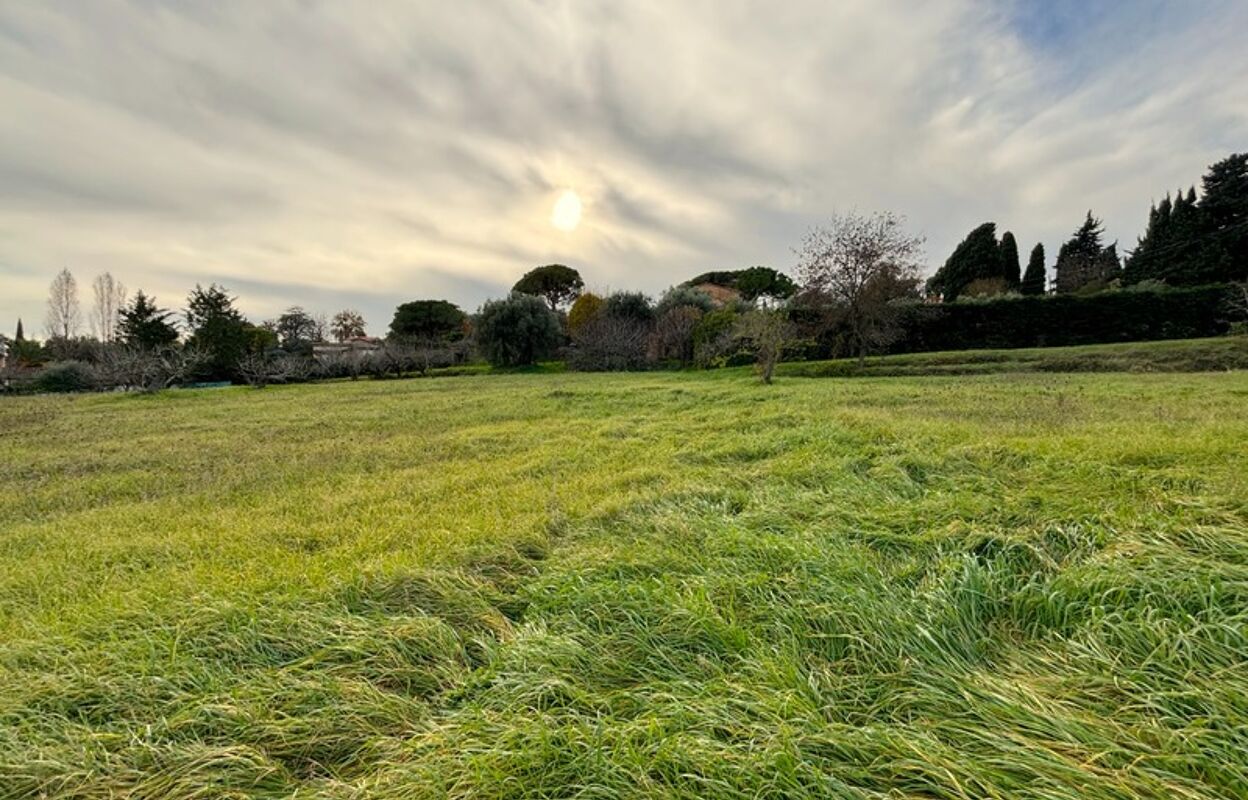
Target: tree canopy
145, 325
1010, 269
428, 319
977, 256
218, 330
1192, 242
517, 330
296, 329
1083, 263
347, 324
555, 283
752, 283
1035, 278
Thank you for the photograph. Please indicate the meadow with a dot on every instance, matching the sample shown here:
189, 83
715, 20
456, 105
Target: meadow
1016, 584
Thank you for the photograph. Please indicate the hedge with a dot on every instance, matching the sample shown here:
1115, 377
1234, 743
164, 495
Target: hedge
1061, 320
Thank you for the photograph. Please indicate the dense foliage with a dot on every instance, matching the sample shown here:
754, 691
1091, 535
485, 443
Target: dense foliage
428, 319
585, 308
752, 283
143, 324
517, 331
1035, 279
1193, 242
1060, 320
1010, 268
1083, 263
219, 331
977, 256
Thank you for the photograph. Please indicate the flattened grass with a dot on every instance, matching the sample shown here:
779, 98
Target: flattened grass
667, 585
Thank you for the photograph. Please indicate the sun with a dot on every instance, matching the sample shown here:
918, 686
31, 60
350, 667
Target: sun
566, 214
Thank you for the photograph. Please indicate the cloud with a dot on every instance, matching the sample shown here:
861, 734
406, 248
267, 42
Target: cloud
332, 154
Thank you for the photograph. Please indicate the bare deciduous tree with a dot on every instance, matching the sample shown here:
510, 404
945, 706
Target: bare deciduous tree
608, 343
347, 324
860, 265
147, 369
109, 297
64, 314
672, 337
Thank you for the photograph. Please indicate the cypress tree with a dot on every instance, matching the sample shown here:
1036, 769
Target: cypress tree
1034, 279
977, 256
1009, 260
20, 335
1145, 262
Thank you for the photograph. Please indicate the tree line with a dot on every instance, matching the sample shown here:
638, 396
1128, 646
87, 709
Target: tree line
1189, 241
857, 290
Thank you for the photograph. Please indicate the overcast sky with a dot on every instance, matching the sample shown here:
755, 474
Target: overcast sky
359, 154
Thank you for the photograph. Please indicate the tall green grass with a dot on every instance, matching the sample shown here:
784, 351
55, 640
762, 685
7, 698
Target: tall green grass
666, 585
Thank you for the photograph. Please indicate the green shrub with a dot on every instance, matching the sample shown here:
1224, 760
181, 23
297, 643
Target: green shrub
684, 296
629, 305
65, 376
517, 331
713, 342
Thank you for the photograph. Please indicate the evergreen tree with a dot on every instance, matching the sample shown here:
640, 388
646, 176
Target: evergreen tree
143, 324
219, 330
1034, 279
1145, 262
977, 256
19, 335
428, 319
1082, 262
1010, 269
1191, 242
555, 283
1224, 208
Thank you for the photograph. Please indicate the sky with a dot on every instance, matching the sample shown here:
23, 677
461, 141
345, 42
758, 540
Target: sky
349, 154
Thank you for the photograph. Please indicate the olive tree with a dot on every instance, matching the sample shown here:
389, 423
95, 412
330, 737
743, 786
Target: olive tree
517, 331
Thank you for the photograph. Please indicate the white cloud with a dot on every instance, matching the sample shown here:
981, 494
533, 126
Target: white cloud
337, 154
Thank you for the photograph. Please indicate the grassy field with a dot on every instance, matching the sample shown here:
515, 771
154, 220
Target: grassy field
661, 585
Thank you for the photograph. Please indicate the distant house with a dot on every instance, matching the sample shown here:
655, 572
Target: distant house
357, 346
720, 295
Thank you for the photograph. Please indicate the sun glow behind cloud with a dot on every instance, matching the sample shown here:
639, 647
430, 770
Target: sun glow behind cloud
566, 214
328, 156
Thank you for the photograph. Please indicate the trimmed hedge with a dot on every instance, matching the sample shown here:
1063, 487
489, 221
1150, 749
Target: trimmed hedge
1062, 320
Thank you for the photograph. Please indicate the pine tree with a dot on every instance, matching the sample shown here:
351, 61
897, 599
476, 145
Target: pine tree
1224, 211
1034, 279
218, 329
977, 256
142, 324
1083, 263
1009, 260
